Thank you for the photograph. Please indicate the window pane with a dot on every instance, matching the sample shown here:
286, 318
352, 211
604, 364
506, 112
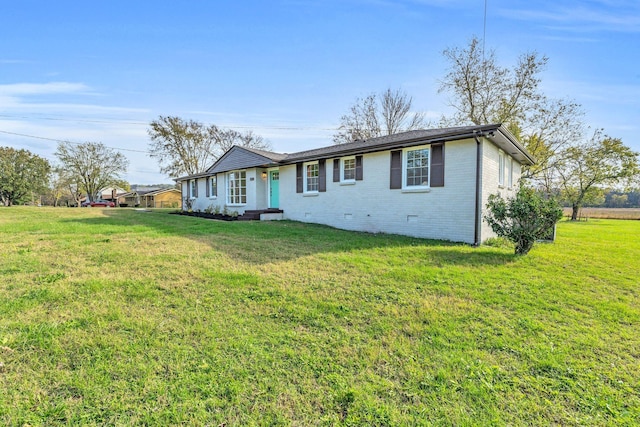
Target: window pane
237, 188
349, 169
312, 177
417, 169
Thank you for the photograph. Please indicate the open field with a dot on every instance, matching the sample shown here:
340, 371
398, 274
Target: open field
124, 317
606, 213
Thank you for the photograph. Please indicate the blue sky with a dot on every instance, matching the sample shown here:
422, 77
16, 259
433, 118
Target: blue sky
101, 71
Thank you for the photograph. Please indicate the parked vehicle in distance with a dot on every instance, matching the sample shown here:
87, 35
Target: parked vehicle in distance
85, 204
102, 203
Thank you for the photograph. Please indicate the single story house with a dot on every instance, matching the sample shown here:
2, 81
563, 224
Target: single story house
152, 198
108, 193
425, 183
111, 193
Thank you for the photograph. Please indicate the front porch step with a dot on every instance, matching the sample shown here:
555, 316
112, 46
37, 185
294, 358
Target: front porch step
254, 214
249, 217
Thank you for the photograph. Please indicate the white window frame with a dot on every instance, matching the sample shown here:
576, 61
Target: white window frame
501, 167
212, 182
232, 198
342, 169
192, 190
405, 174
305, 175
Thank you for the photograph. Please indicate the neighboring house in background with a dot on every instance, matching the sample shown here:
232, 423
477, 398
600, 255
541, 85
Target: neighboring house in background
111, 193
425, 183
152, 198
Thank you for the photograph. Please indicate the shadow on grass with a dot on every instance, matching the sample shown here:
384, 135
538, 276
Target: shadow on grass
262, 242
474, 257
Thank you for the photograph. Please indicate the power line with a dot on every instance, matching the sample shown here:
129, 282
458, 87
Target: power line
137, 123
106, 121
61, 119
69, 142
143, 171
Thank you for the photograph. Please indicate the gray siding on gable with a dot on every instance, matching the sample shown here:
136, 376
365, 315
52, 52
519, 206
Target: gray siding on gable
238, 158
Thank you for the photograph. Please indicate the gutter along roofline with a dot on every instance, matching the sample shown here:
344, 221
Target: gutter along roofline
496, 133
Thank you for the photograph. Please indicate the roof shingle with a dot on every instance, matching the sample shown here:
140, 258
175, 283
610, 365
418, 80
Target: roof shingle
253, 157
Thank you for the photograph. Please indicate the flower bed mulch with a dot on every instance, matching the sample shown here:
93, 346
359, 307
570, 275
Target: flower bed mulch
220, 217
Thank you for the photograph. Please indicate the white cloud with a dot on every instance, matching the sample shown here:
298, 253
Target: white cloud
614, 16
569, 39
619, 94
80, 109
28, 103
29, 119
21, 89
42, 139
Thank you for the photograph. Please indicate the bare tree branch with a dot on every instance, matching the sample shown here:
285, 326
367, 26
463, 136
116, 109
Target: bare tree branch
187, 147
377, 115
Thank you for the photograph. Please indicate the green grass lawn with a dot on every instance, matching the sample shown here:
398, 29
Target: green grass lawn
124, 317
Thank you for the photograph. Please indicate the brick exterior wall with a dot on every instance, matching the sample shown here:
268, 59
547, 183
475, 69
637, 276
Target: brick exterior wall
446, 213
489, 182
369, 205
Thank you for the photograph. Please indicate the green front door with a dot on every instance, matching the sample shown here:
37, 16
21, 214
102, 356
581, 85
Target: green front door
274, 189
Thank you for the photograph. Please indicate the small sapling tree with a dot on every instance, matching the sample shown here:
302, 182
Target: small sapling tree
523, 219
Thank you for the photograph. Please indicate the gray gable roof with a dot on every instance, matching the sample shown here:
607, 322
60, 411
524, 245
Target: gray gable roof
278, 157
242, 157
398, 140
497, 133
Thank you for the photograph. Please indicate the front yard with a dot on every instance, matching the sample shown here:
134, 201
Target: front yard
125, 317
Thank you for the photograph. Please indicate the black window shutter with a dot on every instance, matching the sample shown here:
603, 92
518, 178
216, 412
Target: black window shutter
188, 188
396, 170
358, 168
196, 181
299, 181
336, 170
208, 182
437, 165
322, 176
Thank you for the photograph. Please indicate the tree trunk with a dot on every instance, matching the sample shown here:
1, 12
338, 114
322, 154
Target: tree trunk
574, 212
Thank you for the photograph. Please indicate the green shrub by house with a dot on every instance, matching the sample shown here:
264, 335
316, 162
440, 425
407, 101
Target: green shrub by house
523, 219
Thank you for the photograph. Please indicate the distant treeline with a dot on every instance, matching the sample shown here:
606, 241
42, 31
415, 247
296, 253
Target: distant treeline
619, 199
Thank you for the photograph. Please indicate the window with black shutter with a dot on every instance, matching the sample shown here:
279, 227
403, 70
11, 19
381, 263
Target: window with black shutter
437, 165
299, 178
396, 170
322, 176
359, 175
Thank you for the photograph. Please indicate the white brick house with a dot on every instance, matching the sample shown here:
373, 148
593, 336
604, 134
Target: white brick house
428, 183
